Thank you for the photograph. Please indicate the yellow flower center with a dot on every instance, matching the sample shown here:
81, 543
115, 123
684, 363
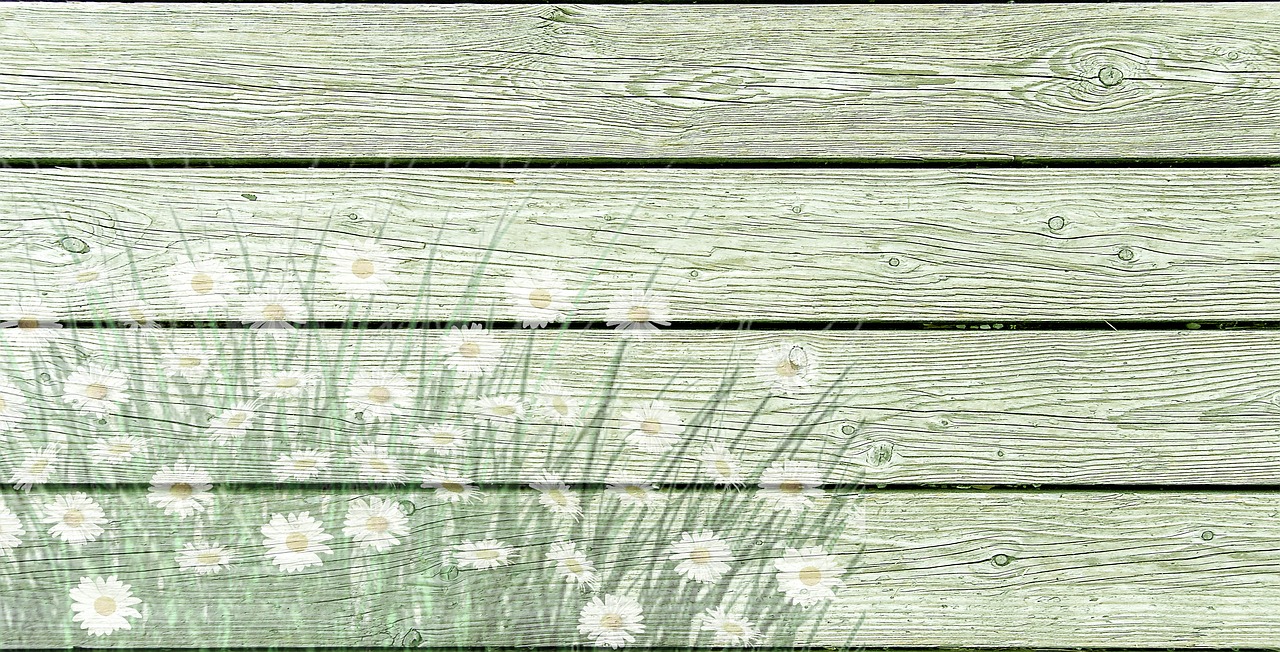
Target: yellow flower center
96, 391
119, 448
287, 382
810, 575
377, 524
273, 312
180, 490
138, 316
304, 463
791, 487
237, 419
700, 556
188, 362
104, 606
469, 350
723, 467
3, 405
560, 406
787, 369
378, 465
539, 298
611, 621
362, 268
38, 467
455, 487
296, 541
731, 628
635, 491
379, 394
486, 554
503, 410
202, 283
209, 558
28, 322
651, 426
86, 276
638, 314
73, 518
442, 437
558, 496
573, 566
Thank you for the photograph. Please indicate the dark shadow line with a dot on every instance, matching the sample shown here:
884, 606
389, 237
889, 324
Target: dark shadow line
752, 325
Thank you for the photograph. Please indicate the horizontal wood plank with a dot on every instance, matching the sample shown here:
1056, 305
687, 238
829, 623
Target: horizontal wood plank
969, 82
967, 407
709, 245
920, 568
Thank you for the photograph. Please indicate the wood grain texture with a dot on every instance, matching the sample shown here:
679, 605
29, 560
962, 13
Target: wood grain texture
957, 568
967, 407
726, 245
976, 82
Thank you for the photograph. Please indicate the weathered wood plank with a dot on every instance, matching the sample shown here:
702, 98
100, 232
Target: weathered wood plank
879, 407
916, 568
807, 245
982, 82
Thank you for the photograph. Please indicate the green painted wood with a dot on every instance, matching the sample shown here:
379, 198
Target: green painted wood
966, 407
729, 245
957, 568
671, 81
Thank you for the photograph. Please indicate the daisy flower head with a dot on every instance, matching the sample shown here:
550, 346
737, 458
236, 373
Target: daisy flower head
556, 496
634, 493
103, 606
189, 362
88, 276
787, 368
730, 629
450, 487
790, 485
29, 323
302, 464
75, 519
118, 448
276, 310
139, 314
202, 284
470, 350
375, 523
612, 621
295, 541
538, 297
233, 423
36, 467
637, 313
558, 405
360, 269
499, 408
483, 555
180, 489
377, 465
702, 556
723, 467
13, 405
572, 565
287, 383
809, 575
11, 531
652, 427
378, 395
441, 438
95, 390
204, 558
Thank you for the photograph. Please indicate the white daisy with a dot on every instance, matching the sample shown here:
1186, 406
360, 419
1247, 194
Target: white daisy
499, 408
611, 622
10, 531
36, 467
180, 489
103, 605
375, 523
538, 298
29, 323
703, 556
377, 465
790, 485
233, 423
287, 383
13, 405
276, 310
721, 465
360, 269
300, 464
201, 284
295, 541
118, 448
378, 395
470, 350
730, 629
557, 404
189, 362
556, 496
652, 427
572, 565
94, 389
139, 314
204, 558
483, 555
809, 575
634, 313
75, 519
450, 487
442, 438
87, 276
633, 493
788, 367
